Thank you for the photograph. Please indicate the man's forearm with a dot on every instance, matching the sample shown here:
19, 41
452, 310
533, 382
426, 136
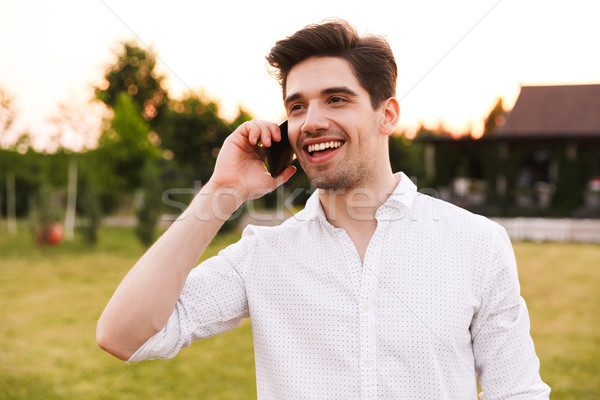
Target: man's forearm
147, 296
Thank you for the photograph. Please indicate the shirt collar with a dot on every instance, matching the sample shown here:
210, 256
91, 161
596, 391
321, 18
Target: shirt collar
404, 194
401, 198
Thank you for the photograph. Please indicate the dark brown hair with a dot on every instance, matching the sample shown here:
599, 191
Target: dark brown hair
370, 56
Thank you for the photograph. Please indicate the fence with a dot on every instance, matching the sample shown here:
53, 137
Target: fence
552, 230
519, 229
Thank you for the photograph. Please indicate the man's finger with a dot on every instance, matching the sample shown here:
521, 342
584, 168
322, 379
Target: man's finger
286, 175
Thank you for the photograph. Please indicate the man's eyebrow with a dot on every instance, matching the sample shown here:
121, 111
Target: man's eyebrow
292, 97
332, 90
340, 89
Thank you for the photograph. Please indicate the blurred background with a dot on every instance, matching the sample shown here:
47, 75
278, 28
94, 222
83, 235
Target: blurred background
112, 115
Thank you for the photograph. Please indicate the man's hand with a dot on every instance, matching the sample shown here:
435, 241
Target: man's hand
240, 167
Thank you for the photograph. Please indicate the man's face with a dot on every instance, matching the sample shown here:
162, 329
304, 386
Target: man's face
332, 126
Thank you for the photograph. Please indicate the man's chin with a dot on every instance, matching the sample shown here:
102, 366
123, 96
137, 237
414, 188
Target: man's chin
320, 183
329, 183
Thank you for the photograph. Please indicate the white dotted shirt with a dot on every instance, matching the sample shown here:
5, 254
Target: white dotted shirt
435, 303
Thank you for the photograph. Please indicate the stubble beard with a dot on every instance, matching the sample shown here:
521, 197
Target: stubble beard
347, 176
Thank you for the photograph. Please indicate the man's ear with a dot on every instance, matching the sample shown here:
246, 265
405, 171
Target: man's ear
391, 115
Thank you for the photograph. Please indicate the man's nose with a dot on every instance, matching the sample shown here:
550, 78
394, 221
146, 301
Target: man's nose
315, 120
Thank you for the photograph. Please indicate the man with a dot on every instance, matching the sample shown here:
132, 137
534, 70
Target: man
372, 291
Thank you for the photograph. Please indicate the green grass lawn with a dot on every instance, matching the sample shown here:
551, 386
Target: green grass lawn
51, 298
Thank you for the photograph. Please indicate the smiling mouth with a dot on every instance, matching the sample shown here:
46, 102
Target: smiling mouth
322, 148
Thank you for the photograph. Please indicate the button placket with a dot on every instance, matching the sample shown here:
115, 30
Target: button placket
368, 297
368, 348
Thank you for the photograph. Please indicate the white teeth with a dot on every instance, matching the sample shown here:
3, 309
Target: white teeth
322, 146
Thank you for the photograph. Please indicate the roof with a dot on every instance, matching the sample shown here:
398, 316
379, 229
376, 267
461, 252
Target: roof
554, 111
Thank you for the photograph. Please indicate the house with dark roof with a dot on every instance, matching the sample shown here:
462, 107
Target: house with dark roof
543, 158
569, 112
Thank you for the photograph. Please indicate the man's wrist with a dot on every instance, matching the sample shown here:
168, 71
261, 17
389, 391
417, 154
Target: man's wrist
216, 202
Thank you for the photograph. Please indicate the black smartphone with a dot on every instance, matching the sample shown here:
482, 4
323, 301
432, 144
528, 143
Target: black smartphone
279, 154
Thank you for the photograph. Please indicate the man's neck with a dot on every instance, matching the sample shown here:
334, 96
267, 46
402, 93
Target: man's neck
356, 207
354, 210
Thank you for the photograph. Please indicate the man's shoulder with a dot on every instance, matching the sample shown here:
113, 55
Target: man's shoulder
451, 216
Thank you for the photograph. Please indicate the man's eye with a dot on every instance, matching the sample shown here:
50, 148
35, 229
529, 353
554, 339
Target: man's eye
337, 100
295, 107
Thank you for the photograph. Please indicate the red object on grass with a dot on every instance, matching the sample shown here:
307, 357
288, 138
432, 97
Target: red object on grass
49, 234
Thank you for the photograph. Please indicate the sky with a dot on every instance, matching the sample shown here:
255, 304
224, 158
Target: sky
455, 58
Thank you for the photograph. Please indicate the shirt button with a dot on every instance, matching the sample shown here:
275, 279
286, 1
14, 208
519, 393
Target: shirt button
368, 363
366, 306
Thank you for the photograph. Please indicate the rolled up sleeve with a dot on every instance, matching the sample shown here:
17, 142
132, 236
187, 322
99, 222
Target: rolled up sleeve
213, 301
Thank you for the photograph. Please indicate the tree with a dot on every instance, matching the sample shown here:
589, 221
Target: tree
193, 131
7, 117
134, 73
123, 163
91, 210
149, 204
494, 119
407, 156
124, 149
77, 126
